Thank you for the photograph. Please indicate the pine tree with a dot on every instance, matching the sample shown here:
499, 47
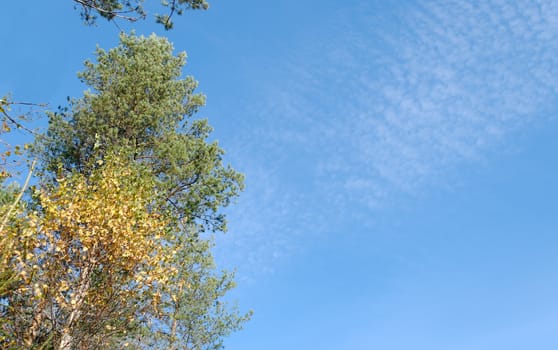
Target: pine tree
114, 249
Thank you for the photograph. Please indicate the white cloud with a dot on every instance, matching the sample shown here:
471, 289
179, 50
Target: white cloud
374, 108
399, 109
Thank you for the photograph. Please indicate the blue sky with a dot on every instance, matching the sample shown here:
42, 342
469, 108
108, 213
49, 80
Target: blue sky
400, 160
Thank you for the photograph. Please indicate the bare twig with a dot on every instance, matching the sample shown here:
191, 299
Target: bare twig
42, 105
12, 119
18, 124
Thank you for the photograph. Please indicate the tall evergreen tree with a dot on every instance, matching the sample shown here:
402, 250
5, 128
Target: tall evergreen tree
140, 111
139, 105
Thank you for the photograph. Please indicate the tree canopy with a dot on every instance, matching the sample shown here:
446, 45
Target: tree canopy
111, 248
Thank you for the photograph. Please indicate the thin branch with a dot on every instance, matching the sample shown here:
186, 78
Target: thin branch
118, 14
42, 105
18, 124
173, 7
18, 198
15, 122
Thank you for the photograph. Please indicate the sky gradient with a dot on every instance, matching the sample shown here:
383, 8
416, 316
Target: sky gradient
400, 160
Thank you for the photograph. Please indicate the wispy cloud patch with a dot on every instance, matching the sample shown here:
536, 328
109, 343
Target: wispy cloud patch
386, 112
380, 105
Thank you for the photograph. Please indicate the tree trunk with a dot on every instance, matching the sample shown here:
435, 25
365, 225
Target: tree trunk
67, 340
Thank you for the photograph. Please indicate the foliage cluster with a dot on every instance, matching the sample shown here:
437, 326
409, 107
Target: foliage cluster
133, 10
110, 247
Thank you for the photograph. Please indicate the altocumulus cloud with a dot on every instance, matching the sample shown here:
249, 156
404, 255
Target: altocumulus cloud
376, 105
